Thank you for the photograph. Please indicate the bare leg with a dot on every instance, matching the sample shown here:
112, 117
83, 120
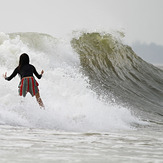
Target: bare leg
38, 98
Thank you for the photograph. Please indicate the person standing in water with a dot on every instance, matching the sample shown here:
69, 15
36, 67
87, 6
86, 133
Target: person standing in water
28, 82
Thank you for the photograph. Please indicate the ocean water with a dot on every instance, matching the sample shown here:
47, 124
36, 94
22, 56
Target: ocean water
103, 102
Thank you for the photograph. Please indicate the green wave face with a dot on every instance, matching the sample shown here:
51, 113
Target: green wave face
114, 68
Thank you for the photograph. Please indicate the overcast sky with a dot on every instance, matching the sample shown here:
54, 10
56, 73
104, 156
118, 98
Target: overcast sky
141, 20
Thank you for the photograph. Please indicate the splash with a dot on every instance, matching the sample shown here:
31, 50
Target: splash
71, 103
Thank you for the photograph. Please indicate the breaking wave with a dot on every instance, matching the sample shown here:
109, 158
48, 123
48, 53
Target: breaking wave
91, 83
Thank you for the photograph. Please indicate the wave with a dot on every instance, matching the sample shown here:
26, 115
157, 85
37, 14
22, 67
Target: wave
114, 67
91, 83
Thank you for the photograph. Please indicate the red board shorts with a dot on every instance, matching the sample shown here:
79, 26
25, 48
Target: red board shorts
28, 84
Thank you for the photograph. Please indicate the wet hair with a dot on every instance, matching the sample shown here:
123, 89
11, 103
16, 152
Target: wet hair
23, 60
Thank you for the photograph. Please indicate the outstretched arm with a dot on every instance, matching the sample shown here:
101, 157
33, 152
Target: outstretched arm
11, 76
38, 75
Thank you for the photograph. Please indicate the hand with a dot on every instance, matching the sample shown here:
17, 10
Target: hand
42, 72
5, 75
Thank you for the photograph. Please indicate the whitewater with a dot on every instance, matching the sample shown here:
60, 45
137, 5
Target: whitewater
103, 102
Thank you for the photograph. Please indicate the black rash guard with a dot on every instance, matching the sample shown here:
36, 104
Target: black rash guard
26, 71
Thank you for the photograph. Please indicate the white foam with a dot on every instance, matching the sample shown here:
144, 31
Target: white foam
70, 104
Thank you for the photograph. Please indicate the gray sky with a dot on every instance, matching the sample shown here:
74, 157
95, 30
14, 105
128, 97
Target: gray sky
141, 20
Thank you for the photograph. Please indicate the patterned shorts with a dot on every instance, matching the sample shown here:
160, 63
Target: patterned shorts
28, 84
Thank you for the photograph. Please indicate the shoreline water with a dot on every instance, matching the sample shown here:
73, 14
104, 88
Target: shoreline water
19, 144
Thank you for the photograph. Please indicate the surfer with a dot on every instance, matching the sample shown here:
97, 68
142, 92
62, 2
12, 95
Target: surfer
28, 82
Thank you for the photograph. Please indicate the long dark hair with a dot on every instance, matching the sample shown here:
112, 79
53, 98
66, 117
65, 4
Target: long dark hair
23, 60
